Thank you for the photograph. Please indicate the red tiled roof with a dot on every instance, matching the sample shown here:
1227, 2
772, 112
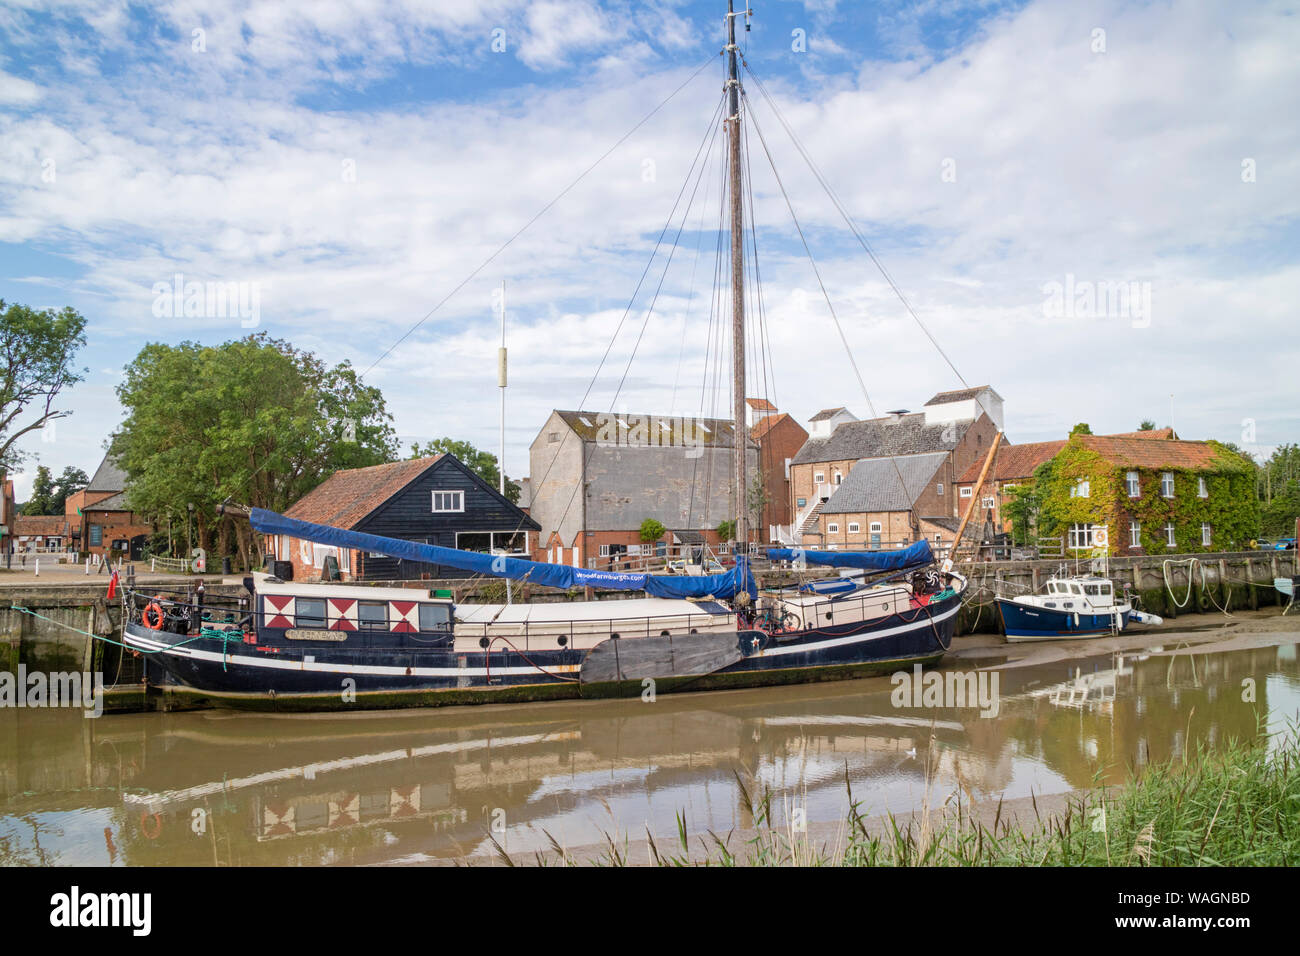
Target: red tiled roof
1145, 453
1014, 461
38, 524
1158, 433
346, 497
761, 404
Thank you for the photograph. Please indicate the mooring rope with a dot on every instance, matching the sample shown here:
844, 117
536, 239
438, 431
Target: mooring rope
205, 633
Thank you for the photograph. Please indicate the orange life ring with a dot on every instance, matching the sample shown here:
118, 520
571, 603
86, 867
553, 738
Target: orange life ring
162, 618
145, 829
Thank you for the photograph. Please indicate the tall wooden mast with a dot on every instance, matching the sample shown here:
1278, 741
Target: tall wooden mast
737, 283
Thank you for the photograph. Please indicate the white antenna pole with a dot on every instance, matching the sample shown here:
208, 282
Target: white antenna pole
501, 383
1171, 413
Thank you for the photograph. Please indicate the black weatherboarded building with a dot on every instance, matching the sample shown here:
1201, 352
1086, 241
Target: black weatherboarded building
435, 500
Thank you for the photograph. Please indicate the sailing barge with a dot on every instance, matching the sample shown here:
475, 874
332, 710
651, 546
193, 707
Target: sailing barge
302, 644
316, 644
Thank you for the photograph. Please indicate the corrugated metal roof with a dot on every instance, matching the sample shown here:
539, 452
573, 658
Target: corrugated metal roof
826, 413
883, 437
958, 395
873, 484
597, 426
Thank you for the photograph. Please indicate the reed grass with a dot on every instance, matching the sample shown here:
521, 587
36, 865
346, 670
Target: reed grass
1237, 804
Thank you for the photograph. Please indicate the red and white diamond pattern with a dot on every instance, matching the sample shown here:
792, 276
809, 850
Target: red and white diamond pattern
279, 610
402, 616
342, 614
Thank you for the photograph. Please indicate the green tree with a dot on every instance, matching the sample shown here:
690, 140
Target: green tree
1022, 511
1146, 425
70, 482
652, 531
1083, 428
1279, 515
726, 530
42, 496
38, 348
254, 421
482, 463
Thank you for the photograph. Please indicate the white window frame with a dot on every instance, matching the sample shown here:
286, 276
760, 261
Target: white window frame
1166, 481
458, 497
1207, 534
854, 527
965, 492
1170, 536
1133, 482
1202, 489
819, 478
1081, 489
939, 489
1135, 534
604, 551
988, 502
832, 528
1080, 537
874, 528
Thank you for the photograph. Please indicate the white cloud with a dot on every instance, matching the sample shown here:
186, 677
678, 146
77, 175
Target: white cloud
1117, 166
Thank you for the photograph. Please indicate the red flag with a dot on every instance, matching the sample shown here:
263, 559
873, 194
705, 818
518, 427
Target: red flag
112, 586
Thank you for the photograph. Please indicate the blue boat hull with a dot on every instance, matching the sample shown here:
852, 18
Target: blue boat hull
1023, 622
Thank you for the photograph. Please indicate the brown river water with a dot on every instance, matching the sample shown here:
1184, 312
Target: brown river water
223, 788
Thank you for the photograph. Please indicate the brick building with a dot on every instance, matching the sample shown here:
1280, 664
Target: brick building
838, 442
596, 476
435, 500
779, 438
1143, 494
8, 511
1014, 465
39, 533
98, 519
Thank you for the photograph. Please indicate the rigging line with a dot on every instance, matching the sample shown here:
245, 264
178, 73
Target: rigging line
701, 159
715, 311
541, 212
762, 346
699, 247
826, 295
853, 228
628, 311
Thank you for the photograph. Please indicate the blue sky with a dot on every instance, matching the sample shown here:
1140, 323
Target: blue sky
354, 160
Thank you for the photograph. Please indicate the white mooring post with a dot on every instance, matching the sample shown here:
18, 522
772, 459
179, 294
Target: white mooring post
88, 565
38, 567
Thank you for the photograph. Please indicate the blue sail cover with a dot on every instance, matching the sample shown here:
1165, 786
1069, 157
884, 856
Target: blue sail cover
898, 560
727, 585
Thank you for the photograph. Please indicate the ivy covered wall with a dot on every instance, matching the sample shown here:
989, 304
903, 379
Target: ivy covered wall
1229, 508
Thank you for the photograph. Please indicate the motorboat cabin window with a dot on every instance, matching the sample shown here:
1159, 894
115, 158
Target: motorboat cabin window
309, 612
373, 615
435, 617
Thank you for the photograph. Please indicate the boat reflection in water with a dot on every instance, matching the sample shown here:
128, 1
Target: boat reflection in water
230, 789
